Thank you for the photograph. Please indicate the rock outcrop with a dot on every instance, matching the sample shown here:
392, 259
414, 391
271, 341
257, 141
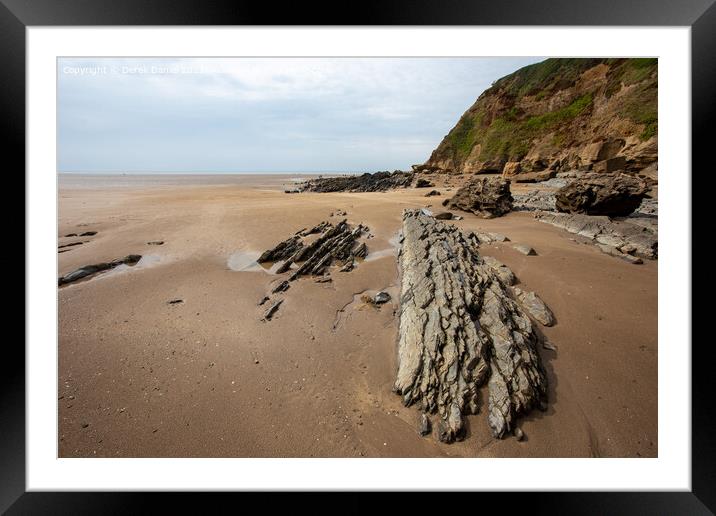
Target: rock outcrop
377, 182
89, 270
535, 200
460, 328
339, 243
560, 114
630, 235
483, 196
602, 194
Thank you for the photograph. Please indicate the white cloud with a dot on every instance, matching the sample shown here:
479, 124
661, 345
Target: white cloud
237, 112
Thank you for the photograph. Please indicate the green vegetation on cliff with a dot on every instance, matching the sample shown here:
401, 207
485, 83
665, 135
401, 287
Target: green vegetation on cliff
509, 136
554, 101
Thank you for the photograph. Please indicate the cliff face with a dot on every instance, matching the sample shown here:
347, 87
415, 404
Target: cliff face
560, 114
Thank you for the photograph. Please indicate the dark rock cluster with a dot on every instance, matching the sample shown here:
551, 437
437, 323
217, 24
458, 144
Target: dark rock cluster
335, 243
377, 182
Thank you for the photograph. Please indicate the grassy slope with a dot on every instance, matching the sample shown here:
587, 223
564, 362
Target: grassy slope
510, 133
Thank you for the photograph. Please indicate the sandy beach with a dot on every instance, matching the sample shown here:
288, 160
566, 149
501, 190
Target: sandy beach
206, 377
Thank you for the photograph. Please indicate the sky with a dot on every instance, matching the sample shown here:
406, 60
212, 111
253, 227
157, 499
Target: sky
262, 114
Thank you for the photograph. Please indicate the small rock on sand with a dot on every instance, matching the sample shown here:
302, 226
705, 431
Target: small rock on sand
445, 215
381, 297
498, 237
424, 427
632, 259
525, 249
272, 310
175, 301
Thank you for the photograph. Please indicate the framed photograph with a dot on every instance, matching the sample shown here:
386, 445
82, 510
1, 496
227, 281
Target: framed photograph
320, 254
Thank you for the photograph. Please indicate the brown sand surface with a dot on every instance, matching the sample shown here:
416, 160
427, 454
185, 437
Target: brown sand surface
139, 377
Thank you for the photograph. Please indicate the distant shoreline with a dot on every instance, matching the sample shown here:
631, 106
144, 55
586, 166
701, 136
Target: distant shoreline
208, 173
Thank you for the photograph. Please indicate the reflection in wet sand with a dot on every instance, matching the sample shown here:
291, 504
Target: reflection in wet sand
245, 261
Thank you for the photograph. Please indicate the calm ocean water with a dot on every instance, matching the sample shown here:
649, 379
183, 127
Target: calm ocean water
92, 181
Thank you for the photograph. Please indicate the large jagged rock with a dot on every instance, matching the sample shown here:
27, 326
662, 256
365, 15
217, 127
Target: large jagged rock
89, 270
377, 182
602, 194
460, 328
483, 196
630, 235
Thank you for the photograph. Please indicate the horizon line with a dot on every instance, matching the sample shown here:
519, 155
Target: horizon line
217, 172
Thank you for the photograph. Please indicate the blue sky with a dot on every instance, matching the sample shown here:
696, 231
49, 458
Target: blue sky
263, 114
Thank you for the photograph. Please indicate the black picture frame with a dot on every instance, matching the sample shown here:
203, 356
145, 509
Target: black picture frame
700, 15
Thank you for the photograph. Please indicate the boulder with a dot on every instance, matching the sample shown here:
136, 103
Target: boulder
423, 183
483, 196
601, 194
444, 215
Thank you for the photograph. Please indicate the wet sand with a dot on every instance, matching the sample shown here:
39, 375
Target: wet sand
139, 377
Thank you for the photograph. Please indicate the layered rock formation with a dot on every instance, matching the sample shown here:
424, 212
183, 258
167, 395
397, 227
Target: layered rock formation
560, 114
601, 194
483, 196
625, 237
339, 243
459, 328
377, 182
